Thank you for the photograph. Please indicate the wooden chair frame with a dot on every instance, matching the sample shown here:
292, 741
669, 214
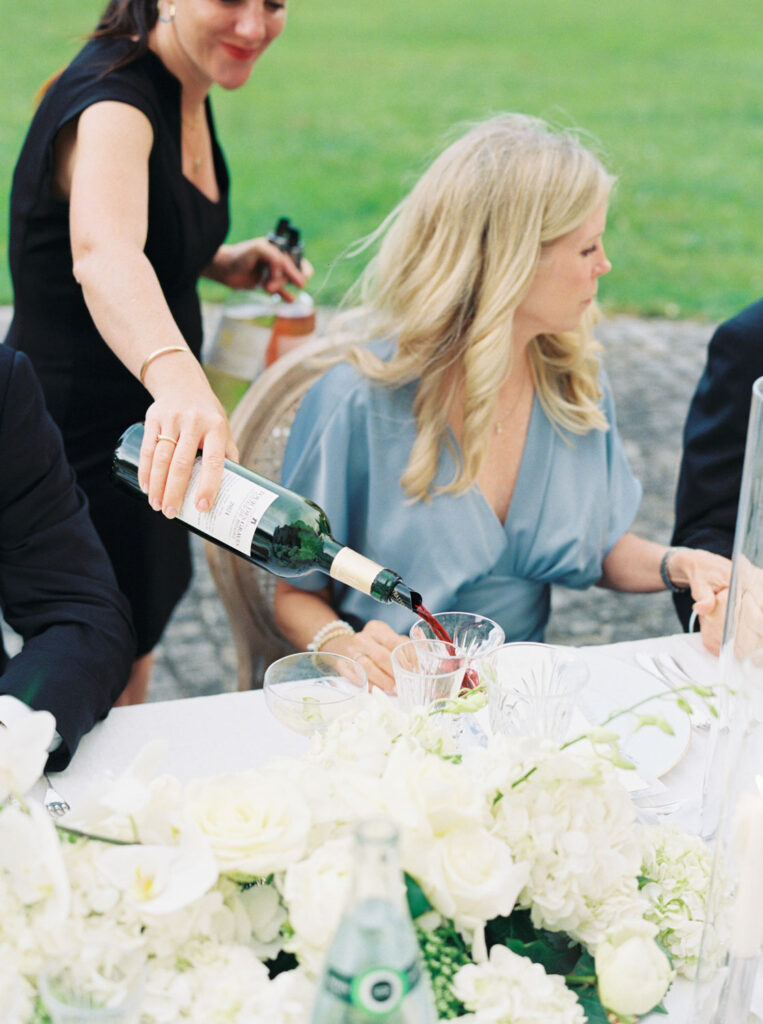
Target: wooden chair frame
261, 423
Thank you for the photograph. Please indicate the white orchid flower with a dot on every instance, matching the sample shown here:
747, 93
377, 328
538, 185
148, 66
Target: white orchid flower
160, 879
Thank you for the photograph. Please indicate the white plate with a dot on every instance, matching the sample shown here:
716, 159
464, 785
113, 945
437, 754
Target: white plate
615, 685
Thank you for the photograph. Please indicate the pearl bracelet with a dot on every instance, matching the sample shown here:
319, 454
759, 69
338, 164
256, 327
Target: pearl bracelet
338, 627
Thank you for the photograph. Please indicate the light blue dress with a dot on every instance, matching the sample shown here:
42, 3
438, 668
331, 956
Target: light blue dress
574, 498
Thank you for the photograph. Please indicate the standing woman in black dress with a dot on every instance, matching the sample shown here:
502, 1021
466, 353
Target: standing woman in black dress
119, 204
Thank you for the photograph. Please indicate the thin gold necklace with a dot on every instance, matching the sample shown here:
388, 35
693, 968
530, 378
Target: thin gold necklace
194, 126
498, 426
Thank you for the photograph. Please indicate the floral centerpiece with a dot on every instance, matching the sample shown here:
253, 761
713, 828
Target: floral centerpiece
536, 894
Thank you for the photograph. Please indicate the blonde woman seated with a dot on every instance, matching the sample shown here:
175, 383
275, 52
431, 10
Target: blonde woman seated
470, 444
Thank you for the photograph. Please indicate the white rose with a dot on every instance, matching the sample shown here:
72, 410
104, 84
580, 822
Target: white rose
468, 874
633, 974
316, 892
255, 824
23, 746
431, 793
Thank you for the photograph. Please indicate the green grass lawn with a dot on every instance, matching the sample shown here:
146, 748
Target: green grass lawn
353, 100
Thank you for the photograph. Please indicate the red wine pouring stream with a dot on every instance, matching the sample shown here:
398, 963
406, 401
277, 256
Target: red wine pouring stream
471, 676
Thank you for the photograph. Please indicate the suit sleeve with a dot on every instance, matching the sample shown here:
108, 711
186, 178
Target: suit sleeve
57, 587
714, 440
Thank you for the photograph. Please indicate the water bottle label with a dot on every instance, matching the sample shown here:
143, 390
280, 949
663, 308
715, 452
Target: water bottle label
236, 513
378, 991
355, 570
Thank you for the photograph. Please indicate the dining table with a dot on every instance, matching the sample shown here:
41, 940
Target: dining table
234, 731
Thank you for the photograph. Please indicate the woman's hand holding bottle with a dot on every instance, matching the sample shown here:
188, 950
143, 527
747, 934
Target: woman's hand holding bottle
185, 418
241, 266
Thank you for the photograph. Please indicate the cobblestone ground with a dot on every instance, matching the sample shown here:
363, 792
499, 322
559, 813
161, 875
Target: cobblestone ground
654, 366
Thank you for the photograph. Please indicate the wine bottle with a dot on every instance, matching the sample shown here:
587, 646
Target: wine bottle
269, 525
256, 327
373, 972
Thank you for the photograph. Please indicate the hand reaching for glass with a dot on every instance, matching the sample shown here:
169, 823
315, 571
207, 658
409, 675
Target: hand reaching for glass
708, 576
371, 648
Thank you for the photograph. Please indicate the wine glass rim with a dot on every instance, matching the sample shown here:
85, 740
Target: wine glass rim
426, 644
359, 682
305, 655
468, 615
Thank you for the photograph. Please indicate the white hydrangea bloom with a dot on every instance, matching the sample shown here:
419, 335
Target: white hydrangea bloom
16, 992
511, 989
574, 825
678, 867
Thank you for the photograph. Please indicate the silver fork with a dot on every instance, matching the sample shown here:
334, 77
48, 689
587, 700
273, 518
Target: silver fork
54, 803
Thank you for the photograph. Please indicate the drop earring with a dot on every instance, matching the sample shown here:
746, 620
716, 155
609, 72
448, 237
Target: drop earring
170, 16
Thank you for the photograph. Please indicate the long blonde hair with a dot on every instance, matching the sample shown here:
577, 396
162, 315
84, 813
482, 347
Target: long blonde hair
457, 256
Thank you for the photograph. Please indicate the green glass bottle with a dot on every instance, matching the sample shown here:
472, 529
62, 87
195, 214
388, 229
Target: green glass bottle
373, 972
269, 525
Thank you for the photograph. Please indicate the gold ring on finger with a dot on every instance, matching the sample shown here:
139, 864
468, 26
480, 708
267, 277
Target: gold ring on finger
165, 437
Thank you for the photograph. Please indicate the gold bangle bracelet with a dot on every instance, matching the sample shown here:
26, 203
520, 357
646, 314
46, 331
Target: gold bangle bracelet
155, 355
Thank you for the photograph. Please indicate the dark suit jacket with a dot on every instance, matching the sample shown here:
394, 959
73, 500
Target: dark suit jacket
714, 440
57, 587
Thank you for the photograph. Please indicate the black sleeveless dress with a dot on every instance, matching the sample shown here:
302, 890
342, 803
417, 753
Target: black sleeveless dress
90, 394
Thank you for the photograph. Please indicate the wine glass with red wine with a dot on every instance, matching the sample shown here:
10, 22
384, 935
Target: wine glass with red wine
473, 636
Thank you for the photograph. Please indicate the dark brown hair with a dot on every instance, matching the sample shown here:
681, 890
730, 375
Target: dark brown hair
128, 19
122, 19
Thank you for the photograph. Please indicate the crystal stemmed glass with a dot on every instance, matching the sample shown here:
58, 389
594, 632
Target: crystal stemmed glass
426, 671
533, 689
473, 635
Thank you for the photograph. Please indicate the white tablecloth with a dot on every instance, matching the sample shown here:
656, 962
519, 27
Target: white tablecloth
234, 731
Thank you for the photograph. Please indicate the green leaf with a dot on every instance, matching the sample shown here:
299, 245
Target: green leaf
283, 962
594, 1011
518, 926
556, 952
554, 961
418, 904
584, 971
684, 705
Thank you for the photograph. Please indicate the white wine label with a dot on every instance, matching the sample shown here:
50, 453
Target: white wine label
236, 513
240, 344
355, 570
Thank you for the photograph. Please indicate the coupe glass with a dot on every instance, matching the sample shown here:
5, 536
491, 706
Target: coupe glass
473, 635
426, 671
533, 689
306, 691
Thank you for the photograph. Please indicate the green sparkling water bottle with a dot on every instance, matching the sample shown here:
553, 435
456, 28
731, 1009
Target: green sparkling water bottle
373, 972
